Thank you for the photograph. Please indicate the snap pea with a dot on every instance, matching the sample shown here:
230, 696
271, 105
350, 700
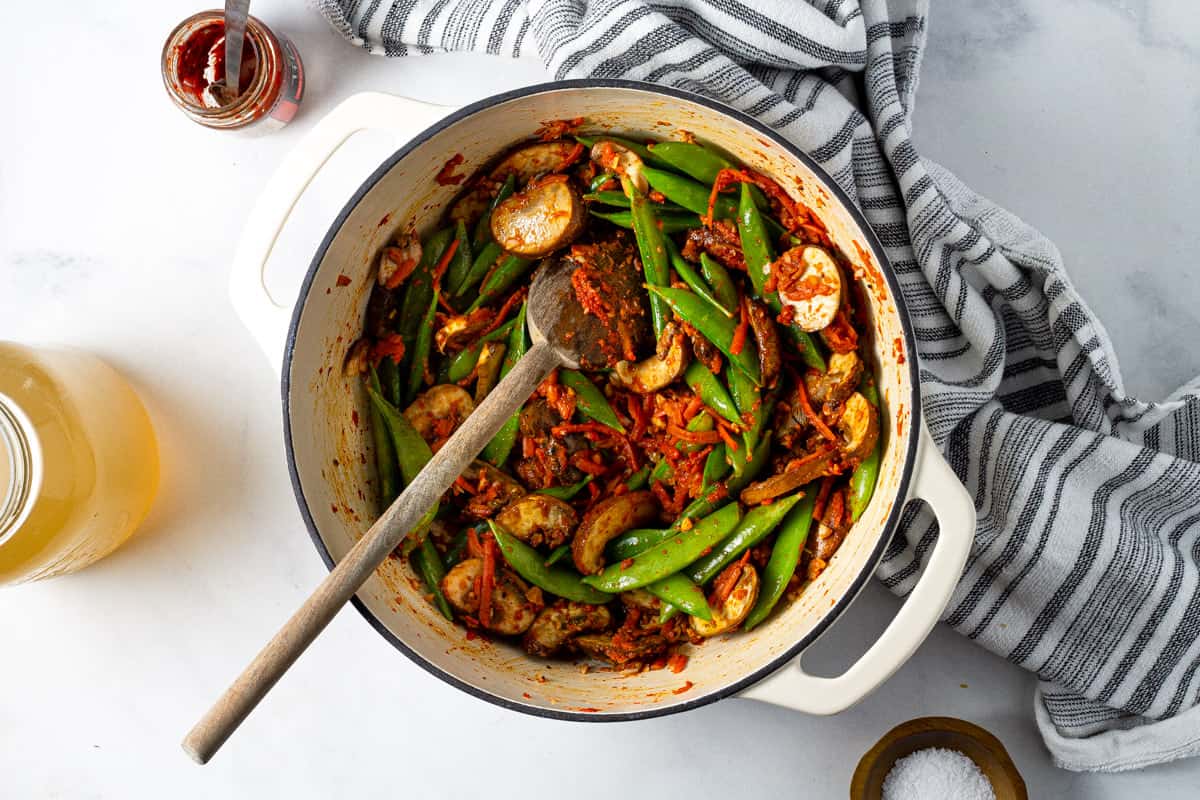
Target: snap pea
457, 548
389, 379
566, 492
714, 327
679, 591
756, 242
862, 480
667, 223
488, 255
412, 453
530, 565
694, 281
722, 284
483, 228
600, 179
507, 271
688, 193
691, 159
635, 541
589, 400
711, 392
653, 249
753, 528
619, 200
716, 466
557, 554
420, 351
420, 284
641, 149
430, 565
671, 556
809, 352
460, 265
459, 366
748, 400
497, 450
385, 454
638, 479
785, 555
663, 471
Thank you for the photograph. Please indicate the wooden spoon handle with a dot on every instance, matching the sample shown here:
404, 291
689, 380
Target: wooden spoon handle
368, 553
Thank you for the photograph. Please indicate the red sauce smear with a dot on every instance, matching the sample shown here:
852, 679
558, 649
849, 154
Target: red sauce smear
446, 176
208, 43
686, 686
343, 280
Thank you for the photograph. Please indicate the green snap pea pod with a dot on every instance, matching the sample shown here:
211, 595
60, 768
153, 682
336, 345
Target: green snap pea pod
672, 555
862, 480
600, 179
487, 256
754, 527
785, 555
531, 565
420, 284
756, 241
718, 278
641, 149
716, 466
459, 366
497, 450
412, 454
711, 392
749, 402
385, 455
663, 471
809, 351
707, 502
389, 380
667, 223
430, 565
694, 281
678, 591
653, 248
635, 541
618, 199
638, 480
688, 193
566, 492
460, 264
457, 548
691, 159
483, 228
714, 327
507, 272
557, 554
589, 400
420, 352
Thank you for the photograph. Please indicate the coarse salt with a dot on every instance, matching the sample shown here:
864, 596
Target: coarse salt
936, 772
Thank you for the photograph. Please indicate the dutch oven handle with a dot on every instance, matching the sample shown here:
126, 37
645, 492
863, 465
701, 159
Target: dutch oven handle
267, 319
936, 484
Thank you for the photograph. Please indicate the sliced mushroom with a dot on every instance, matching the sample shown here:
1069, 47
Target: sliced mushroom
358, 357
838, 382
559, 622
526, 162
461, 330
832, 529
729, 614
487, 368
543, 217
720, 240
859, 426
437, 412
809, 281
512, 611
487, 503
767, 339
604, 646
622, 161
537, 421
607, 520
641, 600
705, 351
397, 263
659, 370
539, 520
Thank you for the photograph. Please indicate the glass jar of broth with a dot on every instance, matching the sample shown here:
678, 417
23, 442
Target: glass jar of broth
78, 461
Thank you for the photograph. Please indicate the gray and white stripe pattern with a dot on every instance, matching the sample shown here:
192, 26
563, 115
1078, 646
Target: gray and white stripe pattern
1085, 563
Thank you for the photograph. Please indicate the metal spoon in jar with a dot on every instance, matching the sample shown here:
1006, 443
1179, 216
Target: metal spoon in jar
236, 14
563, 335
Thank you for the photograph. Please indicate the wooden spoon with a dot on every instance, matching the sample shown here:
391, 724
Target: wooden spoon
553, 310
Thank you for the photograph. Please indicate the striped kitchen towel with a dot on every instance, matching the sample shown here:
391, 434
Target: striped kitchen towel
1085, 563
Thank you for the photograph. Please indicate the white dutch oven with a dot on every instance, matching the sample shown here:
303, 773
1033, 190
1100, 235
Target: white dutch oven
326, 445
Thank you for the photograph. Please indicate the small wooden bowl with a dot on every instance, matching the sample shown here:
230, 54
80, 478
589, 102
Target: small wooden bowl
953, 734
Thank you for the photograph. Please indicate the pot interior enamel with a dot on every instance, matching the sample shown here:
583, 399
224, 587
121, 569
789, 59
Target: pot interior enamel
330, 449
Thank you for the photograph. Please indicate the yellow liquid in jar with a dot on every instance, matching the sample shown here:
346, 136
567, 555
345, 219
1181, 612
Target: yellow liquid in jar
94, 461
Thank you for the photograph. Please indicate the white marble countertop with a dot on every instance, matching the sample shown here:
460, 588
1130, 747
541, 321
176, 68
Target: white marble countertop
115, 234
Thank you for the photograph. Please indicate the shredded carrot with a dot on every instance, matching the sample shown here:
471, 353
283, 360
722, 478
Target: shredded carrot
403, 270
391, 347
572, 156
822, 497
693, 407
723, 586
474, 548
464, 485
730, 442
698, 437
513, 299
806, 406
581, 427
739, 333
677, 663
444, 261
487, 581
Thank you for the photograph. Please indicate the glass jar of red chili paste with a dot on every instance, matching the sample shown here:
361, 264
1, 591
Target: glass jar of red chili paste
271, 82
